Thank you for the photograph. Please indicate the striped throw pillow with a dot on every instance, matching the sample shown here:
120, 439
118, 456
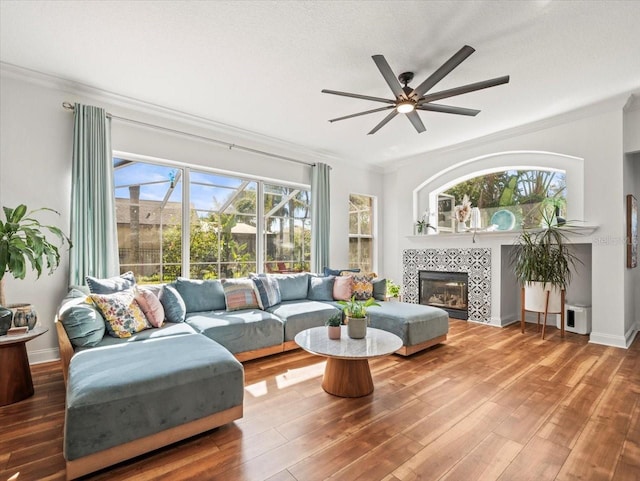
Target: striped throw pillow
240, 294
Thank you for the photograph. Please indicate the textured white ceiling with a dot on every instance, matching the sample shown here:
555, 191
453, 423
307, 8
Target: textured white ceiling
260, 65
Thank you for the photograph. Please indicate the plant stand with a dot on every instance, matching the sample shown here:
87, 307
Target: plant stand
545, 312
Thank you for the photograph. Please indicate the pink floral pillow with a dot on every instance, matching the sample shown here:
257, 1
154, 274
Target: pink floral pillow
151, 306
342, 288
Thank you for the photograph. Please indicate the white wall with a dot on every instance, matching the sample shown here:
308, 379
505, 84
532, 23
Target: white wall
594, 134
36, 136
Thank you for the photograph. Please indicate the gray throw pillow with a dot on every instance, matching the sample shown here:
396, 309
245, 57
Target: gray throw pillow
82, 320
199, 296
379, 289
112, 284
321, 288
174, 307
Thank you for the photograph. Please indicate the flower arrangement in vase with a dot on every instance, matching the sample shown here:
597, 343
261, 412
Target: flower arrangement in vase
462, 212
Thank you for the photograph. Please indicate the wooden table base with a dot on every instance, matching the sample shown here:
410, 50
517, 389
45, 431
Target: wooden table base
15, 381
347, 378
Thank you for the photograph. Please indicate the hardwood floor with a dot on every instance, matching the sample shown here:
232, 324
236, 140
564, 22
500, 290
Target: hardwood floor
490, 404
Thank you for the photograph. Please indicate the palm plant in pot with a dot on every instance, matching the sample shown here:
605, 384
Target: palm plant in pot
24, 243
356, 316
543, 266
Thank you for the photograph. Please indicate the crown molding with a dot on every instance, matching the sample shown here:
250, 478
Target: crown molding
617, 102
228, 133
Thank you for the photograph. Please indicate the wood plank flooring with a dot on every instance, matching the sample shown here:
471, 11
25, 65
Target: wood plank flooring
489, 404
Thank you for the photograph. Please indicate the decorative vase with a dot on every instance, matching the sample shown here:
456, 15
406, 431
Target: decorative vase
334, 332
536, 297
6, 316
461, 226
24, 315
357, 327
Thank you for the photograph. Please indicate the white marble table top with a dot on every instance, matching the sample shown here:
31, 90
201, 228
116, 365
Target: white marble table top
377, 343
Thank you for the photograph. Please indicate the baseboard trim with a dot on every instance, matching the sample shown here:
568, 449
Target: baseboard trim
630, 335
43, 355
608, 340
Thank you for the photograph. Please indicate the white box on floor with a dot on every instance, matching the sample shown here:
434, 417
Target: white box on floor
576, 319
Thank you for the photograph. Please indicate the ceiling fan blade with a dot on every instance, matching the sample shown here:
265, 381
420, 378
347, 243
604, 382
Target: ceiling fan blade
415, 120
391, 115
443, 71
358, 96
363, 113
464, 89
448, 109
389, 76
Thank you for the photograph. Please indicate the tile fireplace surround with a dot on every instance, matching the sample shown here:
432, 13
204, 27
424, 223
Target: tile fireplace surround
476, 262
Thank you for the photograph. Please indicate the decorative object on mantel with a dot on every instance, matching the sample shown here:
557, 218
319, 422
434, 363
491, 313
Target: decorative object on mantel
542, 264
23, 241
333, 326
462, 213
632, 232
423, 225
356, 316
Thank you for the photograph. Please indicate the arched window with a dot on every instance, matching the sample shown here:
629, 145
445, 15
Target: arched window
506, 199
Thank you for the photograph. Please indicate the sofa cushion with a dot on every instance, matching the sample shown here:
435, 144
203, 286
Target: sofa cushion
111, 284
150, 305
413, 323
321, 288
121, 312
300, 315
175, 309
239, 331
293, 286
168, 329
239, 294
206, 295
81, 319
268, 291
379, 289
361, 286
122, 393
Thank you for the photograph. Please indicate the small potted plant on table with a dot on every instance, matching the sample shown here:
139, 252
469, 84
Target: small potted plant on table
333, 326
356, 316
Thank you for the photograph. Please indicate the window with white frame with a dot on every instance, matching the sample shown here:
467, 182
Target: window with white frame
234, 225
361, 232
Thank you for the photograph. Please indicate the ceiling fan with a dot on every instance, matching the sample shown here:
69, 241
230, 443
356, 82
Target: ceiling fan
409, 100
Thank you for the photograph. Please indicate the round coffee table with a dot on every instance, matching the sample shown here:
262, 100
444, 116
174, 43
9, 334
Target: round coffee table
347, 373
15, 382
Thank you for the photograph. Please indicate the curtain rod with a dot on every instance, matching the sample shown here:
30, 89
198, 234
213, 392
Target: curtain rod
69, 106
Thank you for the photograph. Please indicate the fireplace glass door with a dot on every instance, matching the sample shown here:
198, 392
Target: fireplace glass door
446, 290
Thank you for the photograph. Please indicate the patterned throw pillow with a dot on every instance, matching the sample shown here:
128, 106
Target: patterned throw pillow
361, 285
239, 294
342, 288
122, 313
268, 291
150, 305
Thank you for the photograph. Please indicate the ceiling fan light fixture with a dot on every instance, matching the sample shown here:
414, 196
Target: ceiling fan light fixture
405, 107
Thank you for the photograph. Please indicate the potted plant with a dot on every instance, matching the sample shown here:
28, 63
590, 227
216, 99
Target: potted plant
542, 264
24, 243
393, 291
333, 326
356, 316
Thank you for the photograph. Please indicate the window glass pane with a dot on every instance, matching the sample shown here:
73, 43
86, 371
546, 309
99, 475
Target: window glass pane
287, 224
361, 232
530, 195
149, 218
222, 226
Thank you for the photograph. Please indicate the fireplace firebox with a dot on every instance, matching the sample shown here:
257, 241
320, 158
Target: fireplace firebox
446, 290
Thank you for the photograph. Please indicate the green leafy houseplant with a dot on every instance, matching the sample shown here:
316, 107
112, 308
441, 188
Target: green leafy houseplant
393, 289
24, 243
334, 321
357, 309
542, 255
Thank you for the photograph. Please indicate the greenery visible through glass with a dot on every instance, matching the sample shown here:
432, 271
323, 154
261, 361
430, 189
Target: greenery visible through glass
222, 224
361, 237
528, 194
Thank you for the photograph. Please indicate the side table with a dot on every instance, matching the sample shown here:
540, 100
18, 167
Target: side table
15, 373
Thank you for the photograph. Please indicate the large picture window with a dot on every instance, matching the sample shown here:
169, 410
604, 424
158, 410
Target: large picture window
221, 223
361, 230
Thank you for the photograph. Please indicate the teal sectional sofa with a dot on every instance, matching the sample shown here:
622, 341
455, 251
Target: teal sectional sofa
129, 396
